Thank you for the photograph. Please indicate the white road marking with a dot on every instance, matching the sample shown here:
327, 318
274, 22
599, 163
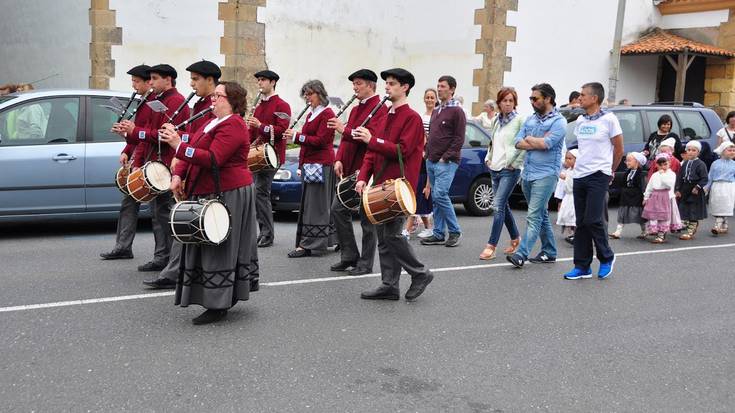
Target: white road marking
323, 279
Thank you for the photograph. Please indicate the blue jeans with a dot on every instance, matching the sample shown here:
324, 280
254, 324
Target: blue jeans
504, 181
441, 175
538, 193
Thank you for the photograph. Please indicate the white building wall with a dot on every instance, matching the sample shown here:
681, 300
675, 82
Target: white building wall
638, 76
567, 43
330, 39
176, 32
45, 38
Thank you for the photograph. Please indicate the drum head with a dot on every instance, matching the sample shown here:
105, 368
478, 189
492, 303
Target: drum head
158, 175
406, 196
270, 156
216, 222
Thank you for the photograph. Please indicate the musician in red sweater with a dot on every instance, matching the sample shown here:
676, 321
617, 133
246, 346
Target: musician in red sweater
403, 128
216, 277
264, 125
204, 77
348, 160
127, 221
316, 160
163, 82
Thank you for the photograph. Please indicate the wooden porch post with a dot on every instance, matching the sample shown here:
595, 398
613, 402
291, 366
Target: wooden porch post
680, 67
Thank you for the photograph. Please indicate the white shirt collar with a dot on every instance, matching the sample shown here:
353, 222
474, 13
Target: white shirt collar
265, 99
214, 122
315, 112
362, 102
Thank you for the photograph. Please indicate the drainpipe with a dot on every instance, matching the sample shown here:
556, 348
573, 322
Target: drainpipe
615, 58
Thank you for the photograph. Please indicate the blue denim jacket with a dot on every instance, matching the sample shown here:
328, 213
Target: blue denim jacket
542, 163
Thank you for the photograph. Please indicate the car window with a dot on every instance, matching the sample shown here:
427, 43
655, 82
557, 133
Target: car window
654, 115
632, 126
102, 120
693, 125
40, 122
474, 137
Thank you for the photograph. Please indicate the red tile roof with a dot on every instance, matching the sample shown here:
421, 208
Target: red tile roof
662, 42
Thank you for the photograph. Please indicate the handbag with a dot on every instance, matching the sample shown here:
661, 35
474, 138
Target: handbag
313, 173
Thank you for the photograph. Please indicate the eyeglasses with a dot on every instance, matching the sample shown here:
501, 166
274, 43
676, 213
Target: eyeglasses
534, 98
217, 95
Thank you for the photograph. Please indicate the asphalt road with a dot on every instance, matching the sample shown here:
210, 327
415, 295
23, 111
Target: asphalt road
656, 336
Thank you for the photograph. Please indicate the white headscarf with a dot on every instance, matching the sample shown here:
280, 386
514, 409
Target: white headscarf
670, 142
695, 144
724, 145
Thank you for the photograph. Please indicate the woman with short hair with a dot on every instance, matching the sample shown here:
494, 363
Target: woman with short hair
316, 160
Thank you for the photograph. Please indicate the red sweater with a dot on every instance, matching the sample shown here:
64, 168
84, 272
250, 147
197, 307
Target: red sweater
229, 141
142, 117
351, 152
265, 113
148, 135
405, 127
446, 134
316, 139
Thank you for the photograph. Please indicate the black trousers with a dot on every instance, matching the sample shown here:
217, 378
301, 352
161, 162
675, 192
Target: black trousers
161, 211
342, 218
263, 207
396, 253
127, 223
590, 206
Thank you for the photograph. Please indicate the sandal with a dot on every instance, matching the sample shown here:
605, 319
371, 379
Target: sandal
686, 237
658, 240
299, 252
615, 235
514, 243
488, 253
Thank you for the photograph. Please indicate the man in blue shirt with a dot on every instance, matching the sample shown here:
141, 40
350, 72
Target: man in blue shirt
542, 137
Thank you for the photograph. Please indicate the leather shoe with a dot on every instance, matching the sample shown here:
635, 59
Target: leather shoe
117, 255
209, 316
418, 285
359, 271
298, 253
383, 292
342, 265
264, 242
255, 284
151, 266
161, 284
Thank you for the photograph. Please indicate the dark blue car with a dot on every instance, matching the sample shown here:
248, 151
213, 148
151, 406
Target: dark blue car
471, 186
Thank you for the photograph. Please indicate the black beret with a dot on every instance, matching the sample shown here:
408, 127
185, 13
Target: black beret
140, 71
206, 69
163, 70
403, 76
268, 74
366, 74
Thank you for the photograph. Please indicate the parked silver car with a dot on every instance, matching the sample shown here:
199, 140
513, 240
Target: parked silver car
58, 155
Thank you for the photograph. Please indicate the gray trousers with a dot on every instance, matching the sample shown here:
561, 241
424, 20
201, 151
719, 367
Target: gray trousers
342, 218
171, 272
395, 253
263, 207
127, 224
161, 211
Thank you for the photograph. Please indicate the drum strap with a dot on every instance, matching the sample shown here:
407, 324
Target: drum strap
400, 164
215, 175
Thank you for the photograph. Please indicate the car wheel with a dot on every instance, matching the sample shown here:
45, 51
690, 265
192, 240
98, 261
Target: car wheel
480, 198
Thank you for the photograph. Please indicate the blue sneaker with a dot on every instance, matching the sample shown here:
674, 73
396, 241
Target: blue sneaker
577, 273
606, 269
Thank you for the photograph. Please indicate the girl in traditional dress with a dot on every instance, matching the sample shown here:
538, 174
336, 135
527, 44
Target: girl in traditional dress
316, 161
632, 184
721, 187
566, 217
659, 201
218, 276
689, 190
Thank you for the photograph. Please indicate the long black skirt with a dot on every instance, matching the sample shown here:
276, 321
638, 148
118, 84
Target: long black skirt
692, 207
217, 277
317, 230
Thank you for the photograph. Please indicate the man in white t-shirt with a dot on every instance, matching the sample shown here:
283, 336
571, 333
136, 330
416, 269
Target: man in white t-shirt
600, 144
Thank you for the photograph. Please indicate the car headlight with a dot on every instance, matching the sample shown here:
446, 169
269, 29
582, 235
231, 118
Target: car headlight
282, 175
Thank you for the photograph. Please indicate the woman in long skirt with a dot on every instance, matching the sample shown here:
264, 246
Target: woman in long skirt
316, 161
218, 276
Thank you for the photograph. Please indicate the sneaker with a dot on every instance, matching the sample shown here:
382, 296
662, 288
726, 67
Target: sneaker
542, 258
426, 233
577, 273
606, 269
453, 240
406, 234
432, 240
515, 259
